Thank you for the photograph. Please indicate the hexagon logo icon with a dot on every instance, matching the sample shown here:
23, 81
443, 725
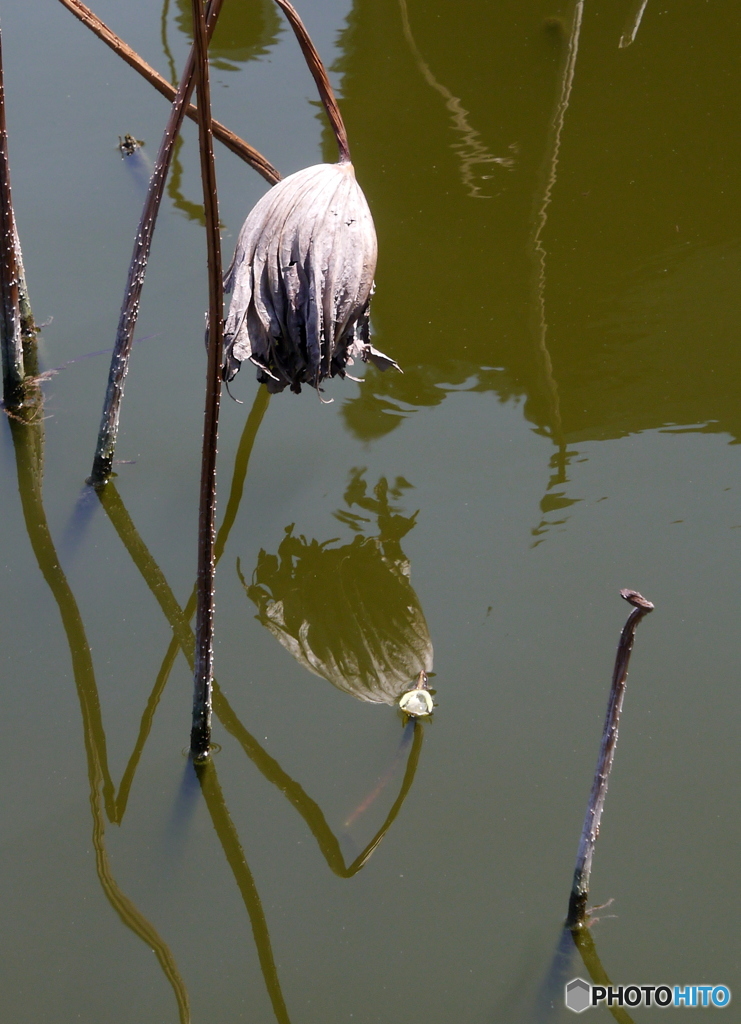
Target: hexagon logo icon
577, 995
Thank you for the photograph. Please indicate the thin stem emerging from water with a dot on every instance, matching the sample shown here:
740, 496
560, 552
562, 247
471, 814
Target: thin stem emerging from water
11, 339
576, 917
200, 737
103, 461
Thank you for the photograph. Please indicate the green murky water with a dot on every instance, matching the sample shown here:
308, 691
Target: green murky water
560, 259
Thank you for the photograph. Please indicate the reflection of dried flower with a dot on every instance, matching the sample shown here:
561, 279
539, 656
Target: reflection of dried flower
301, 279
349, 613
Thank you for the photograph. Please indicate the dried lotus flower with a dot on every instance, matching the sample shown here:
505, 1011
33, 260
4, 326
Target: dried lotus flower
301, 281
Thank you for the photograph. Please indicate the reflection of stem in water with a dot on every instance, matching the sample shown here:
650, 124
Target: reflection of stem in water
540, 326
229, 839
541, 216
193, 211
28, 440
124, 907
584, 942
308, 808
470, 150
633, 24
119, 516
183, 638
178, 619
165, 44
550, 998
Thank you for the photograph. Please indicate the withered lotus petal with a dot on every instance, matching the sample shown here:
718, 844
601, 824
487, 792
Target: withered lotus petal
301, 281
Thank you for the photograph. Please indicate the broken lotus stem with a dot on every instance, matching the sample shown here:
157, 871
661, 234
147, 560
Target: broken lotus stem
580, 889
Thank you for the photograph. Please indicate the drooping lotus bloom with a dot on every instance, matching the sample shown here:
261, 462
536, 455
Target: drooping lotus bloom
301, 281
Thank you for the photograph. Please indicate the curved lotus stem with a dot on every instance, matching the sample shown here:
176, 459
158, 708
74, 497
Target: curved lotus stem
319, 73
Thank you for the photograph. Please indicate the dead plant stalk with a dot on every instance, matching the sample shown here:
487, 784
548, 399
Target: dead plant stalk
200, 738
577, 914
11, 338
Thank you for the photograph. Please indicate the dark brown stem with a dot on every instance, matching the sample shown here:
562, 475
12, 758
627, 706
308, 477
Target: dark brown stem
11, 339
319, 74
103, 461
580, 888
233, 142
200, 737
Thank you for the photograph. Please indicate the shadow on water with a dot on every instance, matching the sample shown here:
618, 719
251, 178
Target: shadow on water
181, 816
77, 525
139, 168
386, 778
575, 952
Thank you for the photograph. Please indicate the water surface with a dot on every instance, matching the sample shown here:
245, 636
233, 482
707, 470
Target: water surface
558, 277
